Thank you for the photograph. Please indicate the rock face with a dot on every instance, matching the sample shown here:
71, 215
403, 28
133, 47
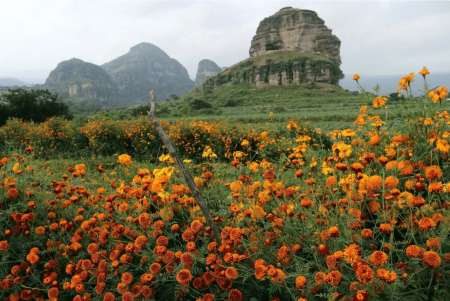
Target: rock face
292, 46
280, 68
206, 68
78, 80
294, 29
144, 68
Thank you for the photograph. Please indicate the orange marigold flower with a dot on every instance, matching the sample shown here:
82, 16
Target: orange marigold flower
4, 245
124, 159
260, 272
100, 288
432, 259
128, 296
374, 183
141, 241
127, 278
424, 71
333, 231
187, 260
12, 193
378, 258
385, 228
357, 167
379, 102
436, 187
208, 297
405, 168
231, 273
188, 235
162, 241
433, 243
391, 182
109, 297
306, 203
364, 273
426, 224
235, 295
53, 293
438, 94
184, 276
145, 278
175, 228
352, 253
300, 282
341, 166
330, 181
155, 268
386, 276
299, 173
366, 233
333, 278
432, 172
414, 251
418, 201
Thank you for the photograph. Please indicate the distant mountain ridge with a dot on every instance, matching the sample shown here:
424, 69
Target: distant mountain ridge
126, 80
11, 82
78, 80
144, 68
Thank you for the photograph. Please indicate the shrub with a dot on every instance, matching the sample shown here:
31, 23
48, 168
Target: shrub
35, 105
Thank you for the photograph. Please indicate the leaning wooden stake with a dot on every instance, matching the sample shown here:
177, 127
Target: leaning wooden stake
186, 174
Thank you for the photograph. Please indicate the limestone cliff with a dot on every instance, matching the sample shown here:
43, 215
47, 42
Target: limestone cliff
292, 46
280, 68
77, 80
295, 29
144, 68
206, 68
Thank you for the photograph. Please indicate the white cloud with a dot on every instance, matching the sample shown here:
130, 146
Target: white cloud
383, 37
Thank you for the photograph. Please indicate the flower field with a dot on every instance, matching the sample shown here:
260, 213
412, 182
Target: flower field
359, 214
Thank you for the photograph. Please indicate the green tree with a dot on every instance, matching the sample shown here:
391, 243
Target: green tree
35, 105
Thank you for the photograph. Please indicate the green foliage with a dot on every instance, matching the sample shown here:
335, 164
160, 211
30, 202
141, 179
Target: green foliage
396, 96
198, 104
31, 105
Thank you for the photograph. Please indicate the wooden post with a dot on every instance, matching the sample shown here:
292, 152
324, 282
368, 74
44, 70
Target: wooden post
186, 174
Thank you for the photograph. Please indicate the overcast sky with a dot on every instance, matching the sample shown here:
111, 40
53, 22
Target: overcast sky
378, 37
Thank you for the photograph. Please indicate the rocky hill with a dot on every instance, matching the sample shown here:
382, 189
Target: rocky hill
77, 80
294, 29
292, 46
206, 68
144, 68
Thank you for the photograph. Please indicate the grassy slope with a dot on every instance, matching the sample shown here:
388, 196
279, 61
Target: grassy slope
326, 106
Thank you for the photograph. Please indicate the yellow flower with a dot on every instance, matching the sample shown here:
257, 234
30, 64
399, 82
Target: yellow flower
313, 162
254, 167
187, 161
208, 153
264, 164
164, 158
245, 142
